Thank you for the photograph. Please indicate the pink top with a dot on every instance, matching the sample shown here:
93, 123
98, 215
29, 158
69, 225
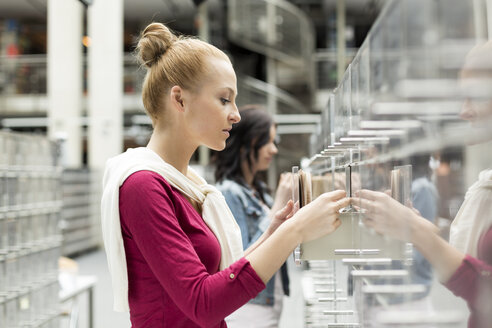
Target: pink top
473, 282
173, 260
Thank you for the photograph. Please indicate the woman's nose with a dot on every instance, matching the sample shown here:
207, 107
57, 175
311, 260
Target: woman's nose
234, 116
467, 112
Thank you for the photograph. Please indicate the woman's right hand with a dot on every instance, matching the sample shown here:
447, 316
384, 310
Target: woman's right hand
312, 221
321, 216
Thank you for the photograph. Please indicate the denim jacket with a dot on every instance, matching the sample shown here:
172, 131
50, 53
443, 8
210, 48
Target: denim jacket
252, 218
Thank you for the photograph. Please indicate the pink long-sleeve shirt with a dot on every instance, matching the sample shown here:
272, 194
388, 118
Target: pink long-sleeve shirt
473, 282
173, 260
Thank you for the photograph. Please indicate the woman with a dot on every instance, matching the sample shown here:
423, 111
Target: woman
250, 150
174, 250
465, 265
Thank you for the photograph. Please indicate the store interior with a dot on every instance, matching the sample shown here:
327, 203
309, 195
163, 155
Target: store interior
393, 96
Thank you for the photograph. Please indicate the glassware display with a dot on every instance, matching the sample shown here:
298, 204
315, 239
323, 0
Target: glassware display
412, 118
29, 237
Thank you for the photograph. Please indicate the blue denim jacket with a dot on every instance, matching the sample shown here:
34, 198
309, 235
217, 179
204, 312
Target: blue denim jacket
252, 218
424, 199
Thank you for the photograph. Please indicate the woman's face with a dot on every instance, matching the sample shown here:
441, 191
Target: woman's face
479, 113
267, 152
475, 78
212, 110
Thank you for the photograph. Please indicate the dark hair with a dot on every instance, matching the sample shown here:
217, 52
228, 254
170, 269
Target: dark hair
247, 137
420, 166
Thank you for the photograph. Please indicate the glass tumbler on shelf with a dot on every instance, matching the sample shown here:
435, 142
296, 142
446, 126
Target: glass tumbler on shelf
3, 276
4, 242
3, 314
348, 188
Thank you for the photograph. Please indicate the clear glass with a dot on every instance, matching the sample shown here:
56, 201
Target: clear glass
3, 191
11, 310
12, 272
296, 198
3, 235
3, 151
3, 277
338, 113
3, 314
416, 104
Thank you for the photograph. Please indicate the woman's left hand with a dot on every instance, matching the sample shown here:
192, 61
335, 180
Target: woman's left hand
283, 193
281, 216
386, 215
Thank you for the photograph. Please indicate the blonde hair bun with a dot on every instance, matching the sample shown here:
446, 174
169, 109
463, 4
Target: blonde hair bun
154, 41
171, 61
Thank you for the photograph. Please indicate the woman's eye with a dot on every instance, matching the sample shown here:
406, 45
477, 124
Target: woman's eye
224, 101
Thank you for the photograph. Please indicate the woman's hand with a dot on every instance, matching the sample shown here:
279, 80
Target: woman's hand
321, 216
389, 217
314, 220
283, 193
281, 216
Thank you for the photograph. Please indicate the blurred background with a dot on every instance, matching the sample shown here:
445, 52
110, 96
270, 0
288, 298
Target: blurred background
70, 98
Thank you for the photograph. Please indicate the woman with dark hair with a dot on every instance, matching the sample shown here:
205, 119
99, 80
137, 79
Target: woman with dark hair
249, 150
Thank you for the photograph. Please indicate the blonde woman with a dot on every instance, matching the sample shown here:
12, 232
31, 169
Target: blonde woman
174, 249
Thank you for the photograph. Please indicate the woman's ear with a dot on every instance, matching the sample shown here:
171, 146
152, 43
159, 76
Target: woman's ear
176, 97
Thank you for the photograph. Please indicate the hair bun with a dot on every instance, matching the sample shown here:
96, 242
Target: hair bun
154, 41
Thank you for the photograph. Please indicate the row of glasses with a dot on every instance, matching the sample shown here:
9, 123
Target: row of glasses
403, 87
326, 300
30, 241
26, 151
23, 268
25, 229
400, 98
25, 190
36, 306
